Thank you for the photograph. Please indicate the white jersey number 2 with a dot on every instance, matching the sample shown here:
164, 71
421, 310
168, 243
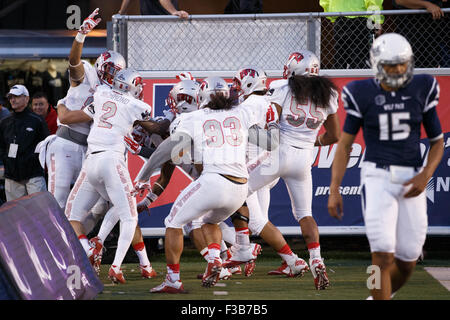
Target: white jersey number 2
213, 130
110, 108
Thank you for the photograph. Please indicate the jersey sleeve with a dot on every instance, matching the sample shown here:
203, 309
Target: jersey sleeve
334, 102
276, 93
432, 98
89, 110
432, 125
350, 103
184, 125
142, 110
352, 124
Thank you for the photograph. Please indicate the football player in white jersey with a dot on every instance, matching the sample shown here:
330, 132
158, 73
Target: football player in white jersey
305, 101
394, 175
250, 84
65, 151
220, 134
104, 173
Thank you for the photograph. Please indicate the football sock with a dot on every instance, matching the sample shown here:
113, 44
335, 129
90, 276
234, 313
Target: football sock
287, 255
242, 237
204, 253
213, 252
173, 272
314, 250
84, 242
139, 248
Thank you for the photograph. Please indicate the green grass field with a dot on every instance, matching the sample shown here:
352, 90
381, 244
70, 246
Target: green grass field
346, 270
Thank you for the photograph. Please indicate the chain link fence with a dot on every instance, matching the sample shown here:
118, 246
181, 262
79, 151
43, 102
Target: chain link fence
227, 42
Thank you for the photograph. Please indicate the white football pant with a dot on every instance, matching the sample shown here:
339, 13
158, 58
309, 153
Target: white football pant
393, 223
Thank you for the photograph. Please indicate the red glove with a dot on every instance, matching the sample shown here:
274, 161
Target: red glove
132, 145
90, 23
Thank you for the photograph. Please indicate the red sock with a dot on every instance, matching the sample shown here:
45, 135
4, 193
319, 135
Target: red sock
139, 246
285, 250
313, 245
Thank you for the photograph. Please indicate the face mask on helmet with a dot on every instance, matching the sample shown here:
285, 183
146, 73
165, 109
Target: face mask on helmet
183, 97
248, 80
108, 64
302, 63
392, 60
209, 87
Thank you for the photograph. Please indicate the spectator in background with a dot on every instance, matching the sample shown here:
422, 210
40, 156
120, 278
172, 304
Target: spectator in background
20, 132
4, 112
53, 84
156, 7
33, 80
40, 106
244, 6
353, 35
429, 34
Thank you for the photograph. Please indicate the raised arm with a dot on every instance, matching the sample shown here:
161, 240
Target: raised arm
76, 69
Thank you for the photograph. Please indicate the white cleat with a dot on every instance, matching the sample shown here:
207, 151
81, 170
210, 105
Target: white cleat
319, 273
298, 268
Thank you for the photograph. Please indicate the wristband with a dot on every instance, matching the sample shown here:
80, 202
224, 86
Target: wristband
80, 37
151, 197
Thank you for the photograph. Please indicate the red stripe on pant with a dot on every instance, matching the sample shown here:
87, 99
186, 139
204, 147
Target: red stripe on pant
74, 192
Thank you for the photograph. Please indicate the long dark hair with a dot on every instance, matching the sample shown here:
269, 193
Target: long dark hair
220, 102
316, 89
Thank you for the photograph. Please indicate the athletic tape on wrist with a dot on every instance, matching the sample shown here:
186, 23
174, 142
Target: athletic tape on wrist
80, 37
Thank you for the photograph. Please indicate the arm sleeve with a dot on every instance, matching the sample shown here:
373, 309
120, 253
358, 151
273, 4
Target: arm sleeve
266, 139
90, 111
162, 154
432, 98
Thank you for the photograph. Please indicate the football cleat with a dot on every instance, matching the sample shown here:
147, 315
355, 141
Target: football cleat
298, 268
242, 255
256, 249
281, 270
147, 272
235, 270
95, 253
249, 268
225, 274
319, 273
116, 276
169, 287
212, 273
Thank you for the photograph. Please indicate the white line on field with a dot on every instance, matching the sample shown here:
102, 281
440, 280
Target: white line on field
440, 274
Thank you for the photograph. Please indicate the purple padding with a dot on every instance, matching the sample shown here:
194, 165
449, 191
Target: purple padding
41, 252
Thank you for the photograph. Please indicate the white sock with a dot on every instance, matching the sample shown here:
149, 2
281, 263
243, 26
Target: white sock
213, 252
142, 255
242, 237
204, 253
127, 229
84, 243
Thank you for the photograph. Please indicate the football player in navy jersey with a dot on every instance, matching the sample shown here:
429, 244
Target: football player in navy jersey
390, 109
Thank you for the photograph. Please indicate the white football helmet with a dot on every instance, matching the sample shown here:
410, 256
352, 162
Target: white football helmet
301, 63
391, 49
248, 80
108, 64
209, 87
130, 82
183, 96
185, 75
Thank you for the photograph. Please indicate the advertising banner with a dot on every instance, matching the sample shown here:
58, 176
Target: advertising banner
280, 214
